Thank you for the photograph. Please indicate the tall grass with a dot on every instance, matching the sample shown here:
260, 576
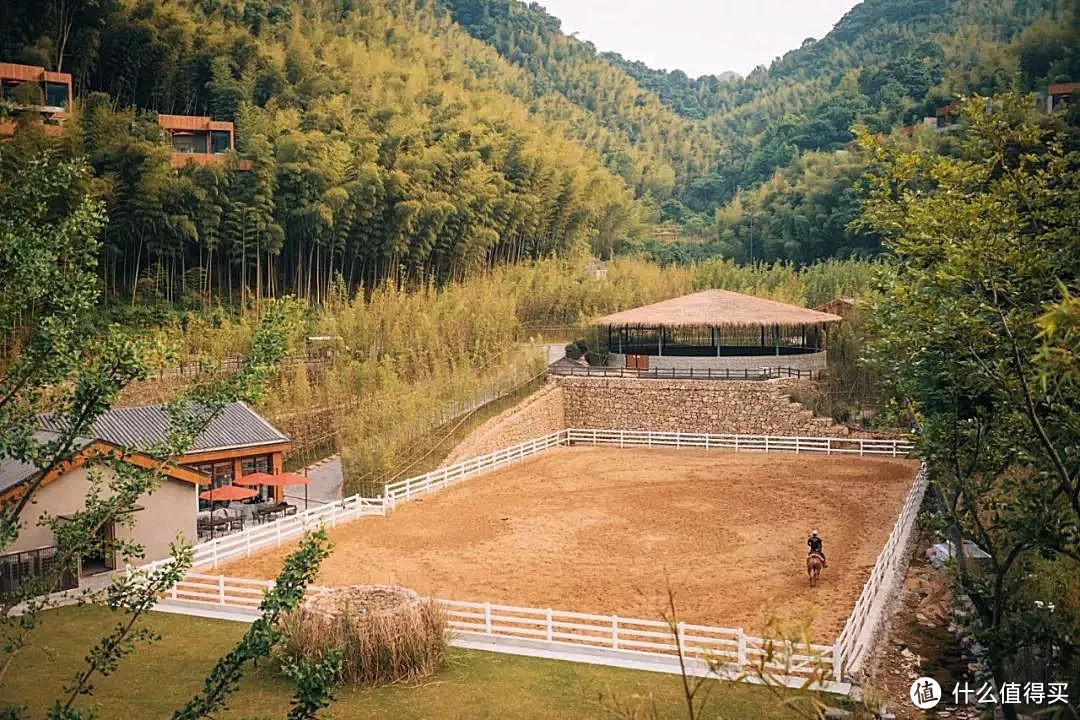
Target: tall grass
403, 643
405, 355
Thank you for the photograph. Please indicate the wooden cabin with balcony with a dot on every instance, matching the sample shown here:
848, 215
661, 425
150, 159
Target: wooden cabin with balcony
30, 90
198, 140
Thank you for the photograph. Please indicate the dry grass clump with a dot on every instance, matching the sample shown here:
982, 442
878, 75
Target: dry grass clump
387, 634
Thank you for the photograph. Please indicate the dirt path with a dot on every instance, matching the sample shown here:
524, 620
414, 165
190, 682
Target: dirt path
598, 530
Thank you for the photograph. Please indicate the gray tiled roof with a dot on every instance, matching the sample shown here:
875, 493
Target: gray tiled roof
236, 426
138, 428
13, 472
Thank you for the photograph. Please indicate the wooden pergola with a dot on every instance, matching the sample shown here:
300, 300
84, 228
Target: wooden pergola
717, 323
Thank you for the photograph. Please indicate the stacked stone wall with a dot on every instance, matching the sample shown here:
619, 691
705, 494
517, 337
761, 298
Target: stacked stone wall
700, 406
693, 406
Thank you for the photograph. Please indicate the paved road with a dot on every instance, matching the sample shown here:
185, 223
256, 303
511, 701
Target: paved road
556, 352
326, 480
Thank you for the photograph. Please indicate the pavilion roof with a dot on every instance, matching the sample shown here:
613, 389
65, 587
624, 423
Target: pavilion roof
718, 308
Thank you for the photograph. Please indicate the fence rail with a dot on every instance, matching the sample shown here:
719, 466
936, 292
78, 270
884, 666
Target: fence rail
443, 477
763, 373
866, 618
728, 648
274, 533
740, 443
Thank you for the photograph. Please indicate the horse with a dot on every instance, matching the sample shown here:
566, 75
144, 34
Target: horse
814, 563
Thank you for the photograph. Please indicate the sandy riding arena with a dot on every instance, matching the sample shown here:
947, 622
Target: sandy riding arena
599, 529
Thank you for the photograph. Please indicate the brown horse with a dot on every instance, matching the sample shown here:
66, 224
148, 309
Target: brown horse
814, 563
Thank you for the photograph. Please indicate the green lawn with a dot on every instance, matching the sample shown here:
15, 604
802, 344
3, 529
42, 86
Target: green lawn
161, 676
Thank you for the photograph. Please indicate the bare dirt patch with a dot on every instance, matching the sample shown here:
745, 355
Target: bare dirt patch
599, 529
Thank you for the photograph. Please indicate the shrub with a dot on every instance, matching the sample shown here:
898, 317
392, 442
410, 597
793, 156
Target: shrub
596, 359
385, 634
574, 351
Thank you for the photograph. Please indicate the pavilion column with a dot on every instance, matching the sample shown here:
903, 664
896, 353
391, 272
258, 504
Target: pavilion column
660, 342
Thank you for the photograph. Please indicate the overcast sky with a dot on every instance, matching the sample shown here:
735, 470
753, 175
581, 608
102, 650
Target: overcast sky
699, 37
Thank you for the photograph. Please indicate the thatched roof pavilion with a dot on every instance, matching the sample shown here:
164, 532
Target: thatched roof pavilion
718, 308
716, 323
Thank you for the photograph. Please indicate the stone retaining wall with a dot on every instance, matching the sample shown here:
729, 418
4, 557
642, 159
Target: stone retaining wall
696, 406
542, 413
701, 406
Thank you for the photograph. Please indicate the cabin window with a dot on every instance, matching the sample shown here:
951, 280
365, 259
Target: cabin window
185, 142
56, 94
220, 141
221, 473
259, 463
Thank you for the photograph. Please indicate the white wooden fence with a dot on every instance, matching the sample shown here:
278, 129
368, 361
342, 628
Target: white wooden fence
739, 443
275, 532
729, 650
444, 477
866, 619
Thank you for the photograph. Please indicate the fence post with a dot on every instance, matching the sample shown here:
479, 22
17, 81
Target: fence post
549, 634
614, 632
221, 589
796, 444
681, 629
215, 555
172, 590
837, 665
742, 649
487, 618
766, 443
828, 446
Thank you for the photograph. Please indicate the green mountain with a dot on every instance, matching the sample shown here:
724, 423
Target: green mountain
419, 140
885, 64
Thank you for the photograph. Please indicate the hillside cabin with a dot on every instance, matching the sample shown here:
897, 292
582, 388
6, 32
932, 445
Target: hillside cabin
198, 140
1059, 95
841, 307
30, 90
237, 441
717, 330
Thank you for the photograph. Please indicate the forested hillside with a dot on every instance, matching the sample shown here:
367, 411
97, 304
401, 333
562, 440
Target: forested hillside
386, 143
885, 65
419, 140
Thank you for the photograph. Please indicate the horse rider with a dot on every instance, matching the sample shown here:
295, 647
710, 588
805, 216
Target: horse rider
814, 543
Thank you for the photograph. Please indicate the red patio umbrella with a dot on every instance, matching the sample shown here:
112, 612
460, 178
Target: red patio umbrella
228, 492
280, 479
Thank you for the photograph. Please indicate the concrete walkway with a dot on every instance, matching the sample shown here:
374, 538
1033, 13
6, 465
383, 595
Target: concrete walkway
326, 477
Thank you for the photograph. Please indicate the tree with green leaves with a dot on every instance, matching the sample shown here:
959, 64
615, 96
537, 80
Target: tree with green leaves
977, 346
63, 362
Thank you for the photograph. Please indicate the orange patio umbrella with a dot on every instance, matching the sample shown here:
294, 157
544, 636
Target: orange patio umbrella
228, 492
280, 479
